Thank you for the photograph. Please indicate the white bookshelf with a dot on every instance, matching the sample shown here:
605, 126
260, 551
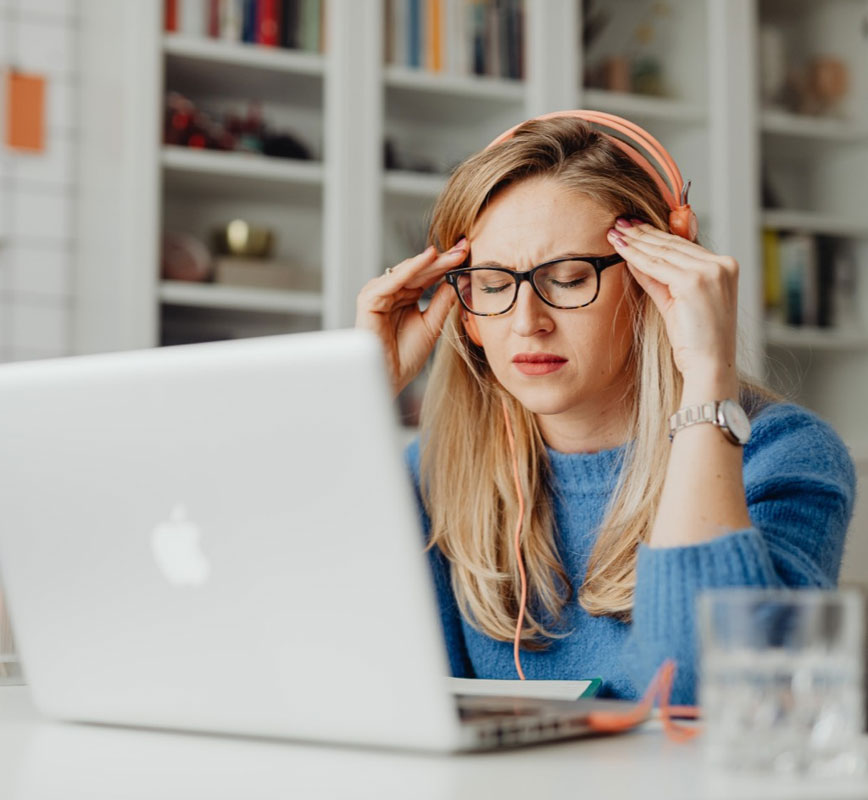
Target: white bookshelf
344, 217
812, 338
240, 298
659, 109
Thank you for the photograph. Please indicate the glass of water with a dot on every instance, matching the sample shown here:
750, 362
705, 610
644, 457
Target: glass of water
781, 682
10, 668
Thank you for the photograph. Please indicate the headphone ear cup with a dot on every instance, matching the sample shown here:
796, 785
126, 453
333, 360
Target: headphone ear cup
471, 328
683, 223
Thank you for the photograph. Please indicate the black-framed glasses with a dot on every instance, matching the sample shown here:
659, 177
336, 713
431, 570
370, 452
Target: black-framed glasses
563, 283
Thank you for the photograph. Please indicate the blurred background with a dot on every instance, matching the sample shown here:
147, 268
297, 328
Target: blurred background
179, 171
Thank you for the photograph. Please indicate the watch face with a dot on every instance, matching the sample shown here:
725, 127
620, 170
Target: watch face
736, 420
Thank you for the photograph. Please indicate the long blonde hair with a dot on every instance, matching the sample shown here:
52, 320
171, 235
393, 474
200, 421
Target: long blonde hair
466, 473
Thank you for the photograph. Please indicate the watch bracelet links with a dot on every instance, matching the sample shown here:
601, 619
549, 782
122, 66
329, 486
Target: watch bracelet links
707, 412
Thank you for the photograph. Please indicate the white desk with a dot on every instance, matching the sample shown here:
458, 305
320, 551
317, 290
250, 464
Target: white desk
40, 760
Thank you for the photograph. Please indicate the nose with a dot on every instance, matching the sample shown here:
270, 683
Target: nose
530, 315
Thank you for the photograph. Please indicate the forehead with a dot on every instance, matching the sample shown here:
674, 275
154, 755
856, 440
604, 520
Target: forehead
532, 219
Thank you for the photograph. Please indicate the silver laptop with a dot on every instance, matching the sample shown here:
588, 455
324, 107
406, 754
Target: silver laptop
223, 538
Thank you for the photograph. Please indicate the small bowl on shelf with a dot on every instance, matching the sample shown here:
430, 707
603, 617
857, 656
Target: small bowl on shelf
241, 238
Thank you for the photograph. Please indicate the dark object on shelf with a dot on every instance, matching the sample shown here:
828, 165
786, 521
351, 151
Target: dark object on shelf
186, 126
394, 158
284, 145
185, 258
240, 238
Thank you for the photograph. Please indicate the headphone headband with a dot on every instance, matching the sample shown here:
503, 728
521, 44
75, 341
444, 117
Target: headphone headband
666, 175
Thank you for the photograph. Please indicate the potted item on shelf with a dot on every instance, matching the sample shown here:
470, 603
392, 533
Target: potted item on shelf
185, 258
817, 88
241, 238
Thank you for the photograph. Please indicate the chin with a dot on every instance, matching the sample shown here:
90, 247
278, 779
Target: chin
542, 400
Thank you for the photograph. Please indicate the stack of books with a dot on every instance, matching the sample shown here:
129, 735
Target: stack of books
295, 24
460, 37
809, 280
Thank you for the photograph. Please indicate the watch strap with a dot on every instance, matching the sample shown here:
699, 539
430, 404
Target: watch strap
692, 415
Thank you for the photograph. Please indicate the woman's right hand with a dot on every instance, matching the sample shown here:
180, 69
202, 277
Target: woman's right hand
388, 305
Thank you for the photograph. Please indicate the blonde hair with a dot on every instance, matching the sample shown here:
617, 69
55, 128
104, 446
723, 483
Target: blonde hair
465, 470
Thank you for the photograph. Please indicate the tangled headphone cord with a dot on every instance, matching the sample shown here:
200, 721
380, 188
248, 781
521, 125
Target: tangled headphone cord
660, 687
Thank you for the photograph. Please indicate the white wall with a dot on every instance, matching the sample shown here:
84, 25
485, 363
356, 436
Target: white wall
36, 191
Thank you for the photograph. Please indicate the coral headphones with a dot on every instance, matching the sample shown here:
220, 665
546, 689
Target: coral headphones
638, 144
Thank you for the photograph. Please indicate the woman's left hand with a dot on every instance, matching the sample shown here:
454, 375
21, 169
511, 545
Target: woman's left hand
695, 290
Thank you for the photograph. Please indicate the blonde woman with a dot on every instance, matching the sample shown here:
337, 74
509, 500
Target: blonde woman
573, 319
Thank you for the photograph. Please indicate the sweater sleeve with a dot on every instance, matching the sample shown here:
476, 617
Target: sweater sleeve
800, 489
450, 616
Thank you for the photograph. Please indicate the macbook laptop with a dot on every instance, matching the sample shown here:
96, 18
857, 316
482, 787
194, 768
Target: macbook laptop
223, 538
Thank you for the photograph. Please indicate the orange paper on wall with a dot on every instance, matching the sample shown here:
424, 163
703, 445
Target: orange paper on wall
25, 112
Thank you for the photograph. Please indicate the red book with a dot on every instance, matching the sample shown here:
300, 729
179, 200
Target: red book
214, 19
269, 30
171, 18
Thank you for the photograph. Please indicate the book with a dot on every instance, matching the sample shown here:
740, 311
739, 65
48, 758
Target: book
289, 21
267, 28
261, 273
798, 260
193, 17
231, 19
433, 36
249, 21
772, 299
414, 44
170, 16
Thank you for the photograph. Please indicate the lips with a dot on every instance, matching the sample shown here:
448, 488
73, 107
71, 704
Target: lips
537, 358
538, 363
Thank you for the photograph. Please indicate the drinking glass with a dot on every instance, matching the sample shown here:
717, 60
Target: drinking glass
781, 680
10, 668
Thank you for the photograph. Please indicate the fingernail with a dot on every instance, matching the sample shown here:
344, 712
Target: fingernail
637, 221
622, 222
458, 245
616, 237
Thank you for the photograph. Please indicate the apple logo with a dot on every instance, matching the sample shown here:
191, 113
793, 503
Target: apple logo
177, 550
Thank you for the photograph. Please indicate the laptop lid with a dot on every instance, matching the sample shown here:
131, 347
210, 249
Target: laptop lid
221, 537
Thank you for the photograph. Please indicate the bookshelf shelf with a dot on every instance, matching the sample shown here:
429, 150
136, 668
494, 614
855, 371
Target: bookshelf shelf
799, 126
811, 222
401, 183
242, 165
825, 339
660, 109
241, 298
476, 86
238, 54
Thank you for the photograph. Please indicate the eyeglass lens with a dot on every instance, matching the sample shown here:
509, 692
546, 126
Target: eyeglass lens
566, 284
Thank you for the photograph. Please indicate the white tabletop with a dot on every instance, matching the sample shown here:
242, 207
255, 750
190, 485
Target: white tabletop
41, 759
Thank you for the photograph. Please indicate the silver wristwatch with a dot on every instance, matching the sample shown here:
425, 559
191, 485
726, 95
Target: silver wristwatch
728, 415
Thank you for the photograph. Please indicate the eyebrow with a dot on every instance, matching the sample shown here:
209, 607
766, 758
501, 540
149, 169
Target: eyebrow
548, 260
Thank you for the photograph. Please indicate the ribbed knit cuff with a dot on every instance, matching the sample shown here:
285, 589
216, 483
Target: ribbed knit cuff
669, 578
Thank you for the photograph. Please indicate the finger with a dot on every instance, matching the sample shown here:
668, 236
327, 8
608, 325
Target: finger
421, 271
438, 309
644, 232
658, 292
662, 252
657, 268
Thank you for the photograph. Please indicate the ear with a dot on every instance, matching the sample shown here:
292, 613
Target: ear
470, 328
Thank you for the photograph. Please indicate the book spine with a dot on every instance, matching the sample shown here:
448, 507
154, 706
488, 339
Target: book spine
477, 21
248, 23
400, 11
388, 40
231, 20
170, 16
267, 23
290, 33
433, 61
215, 12
772, 299
192, 17
414, 23
452, 43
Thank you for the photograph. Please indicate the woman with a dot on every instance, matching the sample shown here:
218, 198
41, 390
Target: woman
586, 361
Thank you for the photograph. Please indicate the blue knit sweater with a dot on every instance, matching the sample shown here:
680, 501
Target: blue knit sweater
800, 486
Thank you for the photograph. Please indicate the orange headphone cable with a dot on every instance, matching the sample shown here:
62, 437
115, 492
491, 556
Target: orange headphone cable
522, 575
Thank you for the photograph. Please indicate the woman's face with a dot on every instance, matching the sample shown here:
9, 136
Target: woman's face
534, 221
